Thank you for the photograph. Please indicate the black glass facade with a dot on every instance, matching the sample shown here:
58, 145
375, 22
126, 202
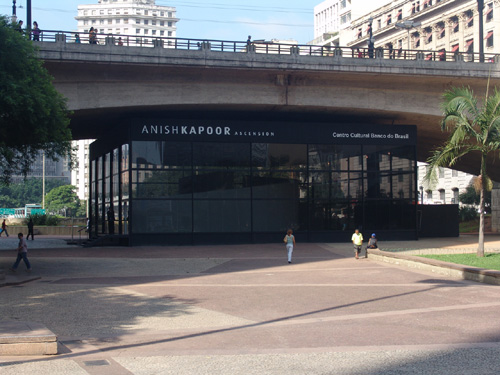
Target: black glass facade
187, 182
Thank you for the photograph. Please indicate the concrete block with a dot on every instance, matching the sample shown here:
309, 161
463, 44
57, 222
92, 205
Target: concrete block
26, 338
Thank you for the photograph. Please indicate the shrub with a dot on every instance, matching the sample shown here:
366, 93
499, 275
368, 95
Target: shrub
38, 219
467, 213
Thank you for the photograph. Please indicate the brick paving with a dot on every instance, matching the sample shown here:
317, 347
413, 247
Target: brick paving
244, 310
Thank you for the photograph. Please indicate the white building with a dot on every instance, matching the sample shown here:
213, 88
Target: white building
450, 184
332, 16
138, 21
80, 174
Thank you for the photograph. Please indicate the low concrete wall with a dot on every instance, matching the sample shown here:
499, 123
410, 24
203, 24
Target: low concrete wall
441, 268
59, 230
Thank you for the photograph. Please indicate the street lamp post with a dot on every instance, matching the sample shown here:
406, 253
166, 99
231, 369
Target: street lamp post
408, 25
480, 8
371, 42
14, 16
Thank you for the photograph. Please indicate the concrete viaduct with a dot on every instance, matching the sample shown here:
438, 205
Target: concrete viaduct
107, 83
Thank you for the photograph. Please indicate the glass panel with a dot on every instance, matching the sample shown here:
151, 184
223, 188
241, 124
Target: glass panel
125, 157
403, 158
279, 215
218, 216
107, 165
279, 156
161, 155
334, 157
389, 215
403, 186
159, 184
167, 216
236, 155
279, 184
229, 184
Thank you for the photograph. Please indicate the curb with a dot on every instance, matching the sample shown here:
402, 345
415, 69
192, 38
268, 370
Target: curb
439, 267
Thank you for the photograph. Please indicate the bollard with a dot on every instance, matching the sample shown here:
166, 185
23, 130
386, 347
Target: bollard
60, 38
109, 40
158, 43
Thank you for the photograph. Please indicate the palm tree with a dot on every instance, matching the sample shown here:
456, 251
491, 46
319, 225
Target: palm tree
474, 129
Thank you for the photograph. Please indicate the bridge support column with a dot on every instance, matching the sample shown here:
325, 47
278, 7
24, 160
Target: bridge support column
379, 53
60, 38
495, 207
109, 40
158, 43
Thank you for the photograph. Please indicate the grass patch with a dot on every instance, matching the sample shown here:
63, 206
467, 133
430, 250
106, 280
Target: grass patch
469, 226
490, 261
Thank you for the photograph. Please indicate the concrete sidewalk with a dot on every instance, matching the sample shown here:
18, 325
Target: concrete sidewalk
243, 309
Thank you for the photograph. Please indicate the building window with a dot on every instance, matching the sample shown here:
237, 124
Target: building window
145, 12
379, 24
489, 12
469, 18
169, 14
489, 39
454, 173
170, 24
169, 33
416, 40
162, 23
429, 195
455, 198
137, 21
146, 32
343, 4
146, 22
153, 22
442, 30
137, 31
427, 3
389, 19
153, 32
359, 34
428, 35
110, 22
442, 195
455, 26
162, 32
469, 46
101, 12
399, 16
441, 172
162, 14
454, 48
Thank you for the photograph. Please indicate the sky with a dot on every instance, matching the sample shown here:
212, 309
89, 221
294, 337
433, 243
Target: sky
209, 19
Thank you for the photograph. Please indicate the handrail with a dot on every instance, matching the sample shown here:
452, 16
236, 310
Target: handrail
263, 47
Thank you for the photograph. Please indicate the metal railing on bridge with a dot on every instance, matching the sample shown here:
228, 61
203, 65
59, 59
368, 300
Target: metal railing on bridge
263, 47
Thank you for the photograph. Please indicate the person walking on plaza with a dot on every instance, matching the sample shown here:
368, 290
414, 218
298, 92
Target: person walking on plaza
4, 229
357, 241
30, 230
22, 254
290, 243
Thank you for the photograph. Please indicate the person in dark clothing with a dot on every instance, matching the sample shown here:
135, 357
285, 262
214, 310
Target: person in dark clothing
111, 220
4, 229
30, 230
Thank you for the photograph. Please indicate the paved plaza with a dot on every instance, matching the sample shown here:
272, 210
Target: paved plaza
243, 309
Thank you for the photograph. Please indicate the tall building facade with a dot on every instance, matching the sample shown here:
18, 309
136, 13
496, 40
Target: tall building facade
449, 185
139, 21
54, 170
80, 174
445, 26
332, 16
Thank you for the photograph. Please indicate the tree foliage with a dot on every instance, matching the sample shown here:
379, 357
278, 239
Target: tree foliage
471, 197
63, 199
30, 191
33, 115
474, 129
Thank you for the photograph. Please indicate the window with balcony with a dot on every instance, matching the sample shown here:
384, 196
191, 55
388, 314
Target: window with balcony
388, 20
442, 30
399, 15
428, 35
